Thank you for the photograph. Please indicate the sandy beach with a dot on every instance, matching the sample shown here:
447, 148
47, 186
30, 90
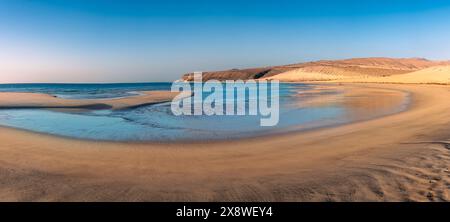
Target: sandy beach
400, 157
45, 101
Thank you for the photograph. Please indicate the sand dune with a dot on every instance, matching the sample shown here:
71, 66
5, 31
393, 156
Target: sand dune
432, 75
316, 73
326, 69
435, 75
401, 157
10, 100
408, 64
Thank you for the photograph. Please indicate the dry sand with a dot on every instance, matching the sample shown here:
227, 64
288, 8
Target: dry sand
432, 75
401, 157
317, 74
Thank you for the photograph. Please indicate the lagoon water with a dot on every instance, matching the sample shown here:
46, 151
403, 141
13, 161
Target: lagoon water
157, 123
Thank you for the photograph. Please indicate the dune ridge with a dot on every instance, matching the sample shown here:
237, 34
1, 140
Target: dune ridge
325, 70
432, 75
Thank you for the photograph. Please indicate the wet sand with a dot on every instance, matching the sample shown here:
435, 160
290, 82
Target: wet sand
401, 157
9, 100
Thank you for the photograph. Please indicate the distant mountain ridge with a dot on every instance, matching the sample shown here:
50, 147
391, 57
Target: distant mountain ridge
326, 69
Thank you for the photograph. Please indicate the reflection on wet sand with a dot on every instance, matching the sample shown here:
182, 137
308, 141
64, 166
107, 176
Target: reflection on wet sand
357, 102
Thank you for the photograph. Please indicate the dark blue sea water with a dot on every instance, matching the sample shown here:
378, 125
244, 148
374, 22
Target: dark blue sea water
157, 123
86, 91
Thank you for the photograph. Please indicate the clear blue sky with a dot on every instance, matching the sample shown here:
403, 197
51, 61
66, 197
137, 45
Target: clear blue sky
136, 41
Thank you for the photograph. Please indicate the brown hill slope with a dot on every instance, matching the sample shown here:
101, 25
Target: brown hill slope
341, 68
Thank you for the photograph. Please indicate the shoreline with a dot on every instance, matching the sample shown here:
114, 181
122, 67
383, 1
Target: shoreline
23, 100
401, 107
324, 164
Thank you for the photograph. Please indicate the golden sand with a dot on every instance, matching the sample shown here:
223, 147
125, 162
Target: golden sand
432, 75
401, 157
